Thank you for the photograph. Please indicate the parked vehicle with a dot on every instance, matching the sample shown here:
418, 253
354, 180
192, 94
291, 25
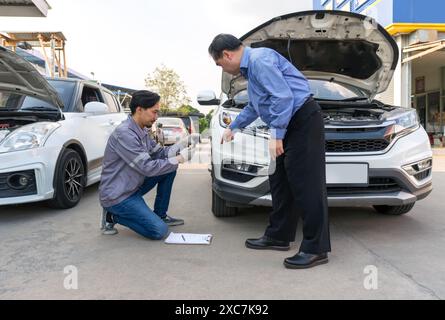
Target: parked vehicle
173, 130
53, 134
376, 154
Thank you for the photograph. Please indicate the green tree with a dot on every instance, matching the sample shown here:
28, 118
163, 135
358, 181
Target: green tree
204, 123
186, 110
167, 83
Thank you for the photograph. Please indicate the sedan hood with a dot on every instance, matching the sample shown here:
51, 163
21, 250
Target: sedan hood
332, 45
19, 76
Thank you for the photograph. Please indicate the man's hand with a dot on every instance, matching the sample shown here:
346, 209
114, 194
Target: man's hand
276, 148
186, 154
227, 136
190, 140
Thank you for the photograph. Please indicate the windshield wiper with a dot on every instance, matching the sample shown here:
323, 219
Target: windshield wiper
355, 99
40, 108
343, 100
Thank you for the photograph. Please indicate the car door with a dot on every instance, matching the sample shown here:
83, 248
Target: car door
117, 115
99, 127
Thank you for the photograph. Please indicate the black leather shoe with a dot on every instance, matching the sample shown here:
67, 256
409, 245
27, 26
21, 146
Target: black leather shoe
266, 243
305, 260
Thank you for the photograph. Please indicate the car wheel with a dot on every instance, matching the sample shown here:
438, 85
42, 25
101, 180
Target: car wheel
69, 181
394, 210
220, 208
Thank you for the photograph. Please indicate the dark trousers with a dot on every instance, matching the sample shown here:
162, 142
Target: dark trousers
298, 184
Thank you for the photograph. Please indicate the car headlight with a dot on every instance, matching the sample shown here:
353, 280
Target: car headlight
226, 118
404, 124
28, 137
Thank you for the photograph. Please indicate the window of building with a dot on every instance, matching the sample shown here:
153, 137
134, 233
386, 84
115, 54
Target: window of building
359, 5
340, 3
328, 5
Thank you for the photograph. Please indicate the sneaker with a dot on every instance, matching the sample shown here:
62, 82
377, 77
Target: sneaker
107, 224
170, 221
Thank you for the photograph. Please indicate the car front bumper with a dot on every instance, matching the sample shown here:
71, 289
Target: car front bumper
40, 160
260, 196
401, 188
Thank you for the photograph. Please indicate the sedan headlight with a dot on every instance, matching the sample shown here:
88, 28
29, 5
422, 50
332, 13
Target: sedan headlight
404, 124
28, 137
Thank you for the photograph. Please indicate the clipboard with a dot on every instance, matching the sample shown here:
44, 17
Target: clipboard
188, 238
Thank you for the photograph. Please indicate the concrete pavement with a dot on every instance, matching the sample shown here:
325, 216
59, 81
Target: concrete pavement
37, 243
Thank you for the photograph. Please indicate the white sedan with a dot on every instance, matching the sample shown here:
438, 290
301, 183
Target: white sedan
53, 134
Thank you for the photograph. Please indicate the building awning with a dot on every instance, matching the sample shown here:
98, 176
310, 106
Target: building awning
55, 41
397, 28
24, 8
420, 50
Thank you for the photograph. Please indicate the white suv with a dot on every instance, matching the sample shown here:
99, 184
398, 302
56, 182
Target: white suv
376, 154
53, 134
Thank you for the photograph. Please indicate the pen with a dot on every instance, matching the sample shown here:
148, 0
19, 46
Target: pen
183, 237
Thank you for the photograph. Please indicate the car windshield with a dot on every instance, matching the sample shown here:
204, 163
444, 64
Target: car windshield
65, 89
18, 102
170, 122
326, 90
321, 89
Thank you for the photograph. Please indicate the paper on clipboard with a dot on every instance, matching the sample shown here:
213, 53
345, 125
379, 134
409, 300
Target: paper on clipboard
188, 238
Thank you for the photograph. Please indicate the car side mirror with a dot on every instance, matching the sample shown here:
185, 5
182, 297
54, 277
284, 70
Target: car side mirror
207, 98
96, 108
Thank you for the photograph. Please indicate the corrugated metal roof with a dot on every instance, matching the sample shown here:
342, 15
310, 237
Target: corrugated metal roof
24, 8
33, 35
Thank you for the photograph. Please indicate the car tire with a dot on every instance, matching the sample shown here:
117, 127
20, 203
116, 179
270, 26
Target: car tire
394, 210
220, 208
69, 182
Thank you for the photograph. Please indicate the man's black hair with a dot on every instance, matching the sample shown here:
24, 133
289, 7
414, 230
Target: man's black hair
223, 42
144, 99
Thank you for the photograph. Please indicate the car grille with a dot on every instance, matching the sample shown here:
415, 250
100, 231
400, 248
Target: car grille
6, 191
368, 145
376, 185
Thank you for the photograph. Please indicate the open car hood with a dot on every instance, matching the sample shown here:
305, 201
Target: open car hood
19, 76
332, 45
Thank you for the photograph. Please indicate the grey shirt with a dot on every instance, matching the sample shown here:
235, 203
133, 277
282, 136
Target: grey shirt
131, 156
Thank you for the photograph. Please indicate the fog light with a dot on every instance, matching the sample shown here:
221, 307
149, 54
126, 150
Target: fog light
18, 181
418, 167
23, 181
241, 167
421, 166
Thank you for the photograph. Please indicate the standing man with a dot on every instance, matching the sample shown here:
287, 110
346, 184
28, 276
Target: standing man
280, 95
133, 165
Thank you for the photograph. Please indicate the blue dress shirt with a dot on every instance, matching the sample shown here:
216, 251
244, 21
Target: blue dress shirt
276, 90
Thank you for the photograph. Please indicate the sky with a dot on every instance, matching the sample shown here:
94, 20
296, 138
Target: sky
124, 41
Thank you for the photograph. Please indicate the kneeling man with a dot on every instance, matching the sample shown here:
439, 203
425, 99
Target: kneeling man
133, 165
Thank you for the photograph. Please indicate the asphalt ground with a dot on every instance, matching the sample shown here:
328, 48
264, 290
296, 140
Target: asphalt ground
405, 254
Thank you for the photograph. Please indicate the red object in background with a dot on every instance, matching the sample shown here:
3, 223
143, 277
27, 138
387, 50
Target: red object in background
430, 135
4, 125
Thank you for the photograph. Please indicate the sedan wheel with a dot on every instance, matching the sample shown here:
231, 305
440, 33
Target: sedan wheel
69, 180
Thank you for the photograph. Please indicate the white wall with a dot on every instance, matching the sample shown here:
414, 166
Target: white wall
429, 67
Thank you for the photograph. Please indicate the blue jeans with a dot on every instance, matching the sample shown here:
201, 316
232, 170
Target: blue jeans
134, 213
